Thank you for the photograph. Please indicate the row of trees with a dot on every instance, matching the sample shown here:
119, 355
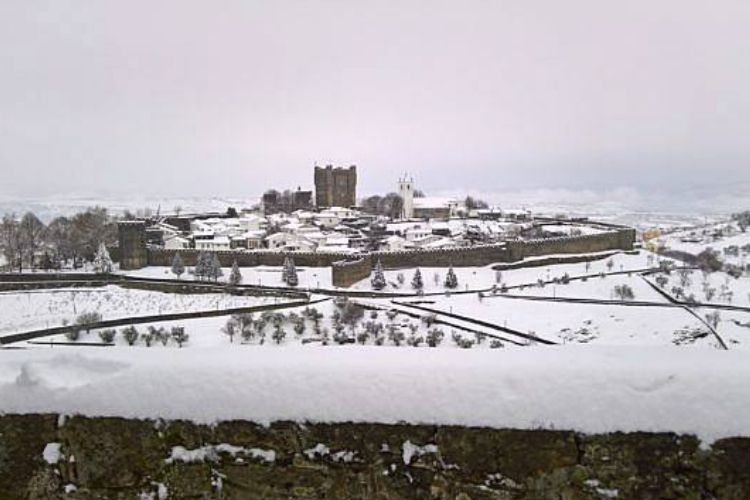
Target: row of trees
379, 282
26, 242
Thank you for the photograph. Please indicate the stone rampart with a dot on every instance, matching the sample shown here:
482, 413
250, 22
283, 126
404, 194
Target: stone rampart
479, 255
348, 272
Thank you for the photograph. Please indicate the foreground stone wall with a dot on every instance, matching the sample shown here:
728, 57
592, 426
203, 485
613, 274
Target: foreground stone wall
118, 458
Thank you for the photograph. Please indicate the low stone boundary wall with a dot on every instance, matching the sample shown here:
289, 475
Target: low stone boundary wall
130, 458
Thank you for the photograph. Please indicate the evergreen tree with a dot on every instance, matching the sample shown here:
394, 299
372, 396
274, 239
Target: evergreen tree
215, 268
451, 281
416, 282
235, 277
285, 270
291, 274
177, 266
102, 260
378, 280
201, 266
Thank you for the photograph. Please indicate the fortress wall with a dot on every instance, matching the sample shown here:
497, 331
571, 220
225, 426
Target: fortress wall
348, 272
347, 269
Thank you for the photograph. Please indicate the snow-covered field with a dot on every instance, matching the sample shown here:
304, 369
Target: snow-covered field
309, 277
591, 389
482, 278
709, 288
29, 310
585, 323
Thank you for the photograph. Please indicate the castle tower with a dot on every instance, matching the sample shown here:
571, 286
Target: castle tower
406, 191
132, 241
335, 187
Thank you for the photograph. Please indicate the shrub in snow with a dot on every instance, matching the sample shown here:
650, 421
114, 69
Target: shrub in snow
378, 279
178, 268
498, 277
396, 336
624, 292
373, 314
179, 335
400, 278
684, 275
341, 338
162, 335
102, 260
416, 281
495, 344
451, 281
565, 279
677, 291
130, 334
148, 337
540, 283
230, 329
662, 280
391, 314
85, 320
279, 334
713, 319
610, 265
504, 288
414, 341
429, 319
235, 276
462, 342
73, 334
299, 327
352, 313
362, 337
107, 335
435, 337
479, 338
708, 260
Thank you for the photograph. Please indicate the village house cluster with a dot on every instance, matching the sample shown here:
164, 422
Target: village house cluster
289, 222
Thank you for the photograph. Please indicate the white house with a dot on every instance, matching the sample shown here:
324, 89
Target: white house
176, 242
396, 244
217, 243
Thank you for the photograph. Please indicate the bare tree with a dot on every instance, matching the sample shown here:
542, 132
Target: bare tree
11, 241
32, 234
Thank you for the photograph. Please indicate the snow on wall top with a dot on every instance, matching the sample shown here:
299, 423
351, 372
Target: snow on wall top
589, 389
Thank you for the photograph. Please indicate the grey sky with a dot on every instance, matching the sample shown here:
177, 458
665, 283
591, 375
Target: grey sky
231, 97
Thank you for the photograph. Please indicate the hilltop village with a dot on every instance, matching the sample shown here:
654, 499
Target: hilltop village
332, 220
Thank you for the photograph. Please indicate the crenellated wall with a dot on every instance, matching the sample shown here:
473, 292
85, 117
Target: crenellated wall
617, 238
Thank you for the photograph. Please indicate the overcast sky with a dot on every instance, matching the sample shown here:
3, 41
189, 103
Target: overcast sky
232, 97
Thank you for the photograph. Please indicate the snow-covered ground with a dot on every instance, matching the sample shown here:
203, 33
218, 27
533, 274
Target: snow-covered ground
29, 310
710, 288
584, 323
595, 288
590, 389
483, 278
398, 329
309, 277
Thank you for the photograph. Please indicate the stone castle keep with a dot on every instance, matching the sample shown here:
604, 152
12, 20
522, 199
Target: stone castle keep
335, 187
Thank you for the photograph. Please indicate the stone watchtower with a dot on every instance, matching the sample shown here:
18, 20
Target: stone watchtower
335, 187
406, 191
132, 237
